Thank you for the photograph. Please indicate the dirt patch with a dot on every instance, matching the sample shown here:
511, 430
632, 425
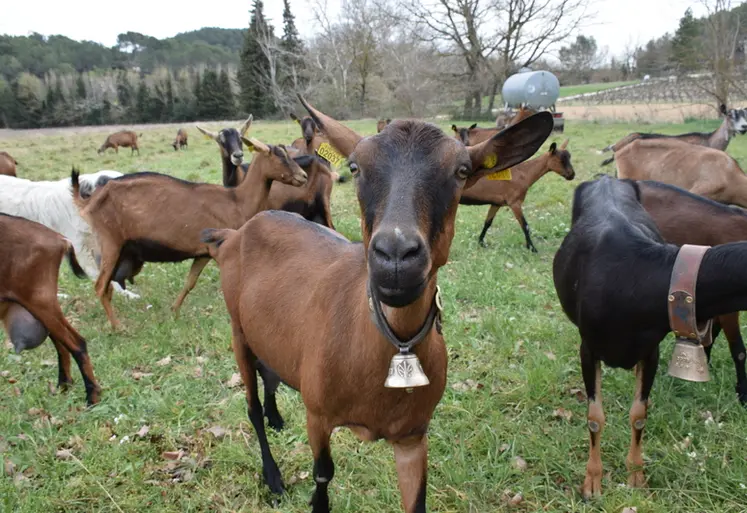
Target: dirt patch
640, 113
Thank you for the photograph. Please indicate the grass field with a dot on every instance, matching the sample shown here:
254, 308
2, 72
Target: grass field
592, 88
513, 390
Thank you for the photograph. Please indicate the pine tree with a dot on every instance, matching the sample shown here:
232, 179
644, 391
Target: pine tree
142, 103
227, 103
254, 67
292, 46
80, 87
685, 44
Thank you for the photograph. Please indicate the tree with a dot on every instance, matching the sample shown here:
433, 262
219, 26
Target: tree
580, 58
292, 63
80, 87
686, 43
142, 103
254, 67
721, 38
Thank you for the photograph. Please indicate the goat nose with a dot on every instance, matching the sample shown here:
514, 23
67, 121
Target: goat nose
238, 154
396, 248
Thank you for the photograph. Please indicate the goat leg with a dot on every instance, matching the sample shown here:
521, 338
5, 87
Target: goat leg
411, 458
271, 382
645, 372
64, 378
324, 468
246, 362
519, 215
198, 264
62, 333
730, 325
104, 289
592, 374
488, 222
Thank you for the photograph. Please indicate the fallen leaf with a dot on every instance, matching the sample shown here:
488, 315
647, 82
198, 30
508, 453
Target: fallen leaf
35, 411
48, 363
235, 381
64, 454
505, 447
173, 455
5, 373
201, 359
630, 510
550, 355
509, 265
519, 463
137, 375
10, 468
55, 421
51, 388
217, 431
143, 431
75, 442
197, 372
516, 500
467, 385
163, 362
16, 391
20, 480
562, 413
12, 381
578, 394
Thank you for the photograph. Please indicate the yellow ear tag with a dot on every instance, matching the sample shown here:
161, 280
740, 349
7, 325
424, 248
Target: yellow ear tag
326, 151
490, 161
500, 175
298, 121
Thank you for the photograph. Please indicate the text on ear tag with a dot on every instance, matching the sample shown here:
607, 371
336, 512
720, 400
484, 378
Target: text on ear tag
500, 175
327, 152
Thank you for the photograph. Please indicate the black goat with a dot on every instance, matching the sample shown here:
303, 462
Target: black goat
612, 275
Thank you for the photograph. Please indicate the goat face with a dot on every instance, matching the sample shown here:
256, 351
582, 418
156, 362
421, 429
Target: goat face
409, 179
560, 161
738, 120
229, 141
463, 133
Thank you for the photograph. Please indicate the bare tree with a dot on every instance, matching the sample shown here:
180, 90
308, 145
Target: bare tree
720, 40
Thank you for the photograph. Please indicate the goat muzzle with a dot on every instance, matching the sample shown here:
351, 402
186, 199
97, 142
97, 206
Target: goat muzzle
405, 370
688, 360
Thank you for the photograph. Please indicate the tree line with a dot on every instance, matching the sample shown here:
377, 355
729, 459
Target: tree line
376, 58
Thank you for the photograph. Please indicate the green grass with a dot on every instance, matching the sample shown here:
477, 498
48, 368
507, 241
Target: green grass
592, 88
504, 329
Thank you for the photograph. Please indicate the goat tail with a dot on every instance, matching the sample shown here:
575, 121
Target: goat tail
73, 261
607, 148
214, 238
80, 193
608, 161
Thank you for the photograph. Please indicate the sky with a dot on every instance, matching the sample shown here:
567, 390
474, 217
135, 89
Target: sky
618, 23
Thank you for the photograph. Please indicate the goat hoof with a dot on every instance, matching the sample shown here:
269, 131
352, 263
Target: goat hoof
276, 422
636, 480
482, 243
532, 249
274, 481
319, 503
592, 486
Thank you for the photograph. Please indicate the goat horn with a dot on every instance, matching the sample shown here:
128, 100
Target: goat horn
565, 143
255, 144
341, 137
245, 127
208, 133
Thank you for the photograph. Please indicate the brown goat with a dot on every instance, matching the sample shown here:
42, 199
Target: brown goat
735, 122
512, 192
181, 140
150, 217
328, 330
686, 218
124, 138
7, 164
311, 142
381, 124
698, 169
30, 261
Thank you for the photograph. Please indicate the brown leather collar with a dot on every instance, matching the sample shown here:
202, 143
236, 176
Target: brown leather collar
681, 300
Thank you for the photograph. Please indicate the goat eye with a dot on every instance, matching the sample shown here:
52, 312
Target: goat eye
463, 172
353, 168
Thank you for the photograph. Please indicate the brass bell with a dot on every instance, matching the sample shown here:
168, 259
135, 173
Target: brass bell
689, 361
405, 371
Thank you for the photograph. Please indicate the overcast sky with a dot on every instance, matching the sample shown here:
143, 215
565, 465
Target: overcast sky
618, 23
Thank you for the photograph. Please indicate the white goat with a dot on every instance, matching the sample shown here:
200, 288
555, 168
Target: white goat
51, 203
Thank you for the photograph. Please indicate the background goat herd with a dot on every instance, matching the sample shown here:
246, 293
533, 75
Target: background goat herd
305, 307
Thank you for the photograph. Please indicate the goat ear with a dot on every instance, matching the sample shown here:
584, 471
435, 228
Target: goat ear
208, 134
474, 125
295, 118
553, 147
255, 145
509, 147
246, 126
341, 137
454, 128
564, 145
304, 161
